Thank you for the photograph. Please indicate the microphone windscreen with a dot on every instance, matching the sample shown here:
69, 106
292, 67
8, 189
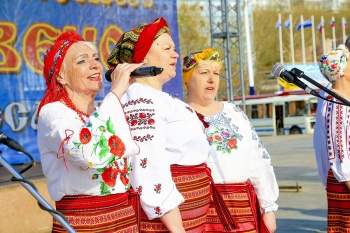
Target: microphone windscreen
277, 69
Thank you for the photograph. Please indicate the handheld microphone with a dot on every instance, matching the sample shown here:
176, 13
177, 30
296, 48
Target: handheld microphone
279, 71
140, 72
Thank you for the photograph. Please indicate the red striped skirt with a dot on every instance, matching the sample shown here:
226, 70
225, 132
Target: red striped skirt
242, 202
338, 197
194, 184
111, 213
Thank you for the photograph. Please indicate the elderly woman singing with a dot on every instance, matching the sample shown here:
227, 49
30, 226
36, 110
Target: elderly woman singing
170, 173
85, 150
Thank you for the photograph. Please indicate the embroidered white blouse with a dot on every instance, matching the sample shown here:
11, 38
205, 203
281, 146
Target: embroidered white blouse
168, 132
238, 155
90, 159
332, 139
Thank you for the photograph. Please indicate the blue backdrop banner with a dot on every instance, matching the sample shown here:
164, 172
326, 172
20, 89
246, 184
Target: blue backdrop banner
27, 29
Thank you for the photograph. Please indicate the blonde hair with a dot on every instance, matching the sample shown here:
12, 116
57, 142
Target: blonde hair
89, 44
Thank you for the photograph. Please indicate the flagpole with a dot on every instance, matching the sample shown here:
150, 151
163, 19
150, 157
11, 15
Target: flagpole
334, 44
249, 56
323, 36
291, 38
302, 38
343, 29
313, 38
280, 37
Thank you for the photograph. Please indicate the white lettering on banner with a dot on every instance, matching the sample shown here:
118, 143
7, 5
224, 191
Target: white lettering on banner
16, 116
34, 122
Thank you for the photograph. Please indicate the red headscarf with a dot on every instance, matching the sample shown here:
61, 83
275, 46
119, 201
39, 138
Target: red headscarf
133, 46
146, 39
53, 60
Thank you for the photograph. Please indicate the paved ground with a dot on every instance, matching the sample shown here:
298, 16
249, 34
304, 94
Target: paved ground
302, 210
295, 165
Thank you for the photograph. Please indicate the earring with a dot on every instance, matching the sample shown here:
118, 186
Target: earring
61, 80
144, 61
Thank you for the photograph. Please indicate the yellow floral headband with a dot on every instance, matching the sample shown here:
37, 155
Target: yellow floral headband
191, 61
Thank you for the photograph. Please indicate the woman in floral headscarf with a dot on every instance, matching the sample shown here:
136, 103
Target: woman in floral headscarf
241, 166
170, 174
85, 151
331, 138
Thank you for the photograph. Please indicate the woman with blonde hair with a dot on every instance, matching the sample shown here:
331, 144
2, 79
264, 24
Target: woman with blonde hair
85, 150
239, 162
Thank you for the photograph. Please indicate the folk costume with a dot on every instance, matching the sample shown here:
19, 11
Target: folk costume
241, 167
331, 142
170, 171
240, 164
86, 159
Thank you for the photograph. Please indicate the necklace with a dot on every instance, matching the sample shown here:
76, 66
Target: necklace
64, 99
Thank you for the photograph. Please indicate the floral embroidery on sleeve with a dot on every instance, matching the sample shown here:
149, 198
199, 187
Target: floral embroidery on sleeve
110, 174
140, 118
106, 154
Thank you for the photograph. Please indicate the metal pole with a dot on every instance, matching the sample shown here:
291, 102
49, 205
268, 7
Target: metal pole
249, 50
37, 196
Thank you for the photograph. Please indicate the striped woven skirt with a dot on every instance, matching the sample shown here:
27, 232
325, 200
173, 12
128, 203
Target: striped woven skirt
338, 197
193, 183
242, 202
111, 213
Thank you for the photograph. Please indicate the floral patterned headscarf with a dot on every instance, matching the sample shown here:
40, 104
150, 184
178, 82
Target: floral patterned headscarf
333, 64
190, 62
133, 46
53, 60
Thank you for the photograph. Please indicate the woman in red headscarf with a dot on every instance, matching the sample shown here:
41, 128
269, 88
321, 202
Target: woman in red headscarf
170, 174
85, 151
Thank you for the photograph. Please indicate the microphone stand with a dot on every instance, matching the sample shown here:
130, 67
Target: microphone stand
42, 202
301, 74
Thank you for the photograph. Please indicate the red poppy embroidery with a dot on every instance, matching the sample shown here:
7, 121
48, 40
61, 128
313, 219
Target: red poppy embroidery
116, 145
158, 211
133, 122
109, 176
143, 163
139, 190
232, 143
85, 136
157, 188
124, 179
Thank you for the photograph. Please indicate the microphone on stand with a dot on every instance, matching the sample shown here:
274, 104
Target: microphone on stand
146, 71
279, 71
301, 74
4, 139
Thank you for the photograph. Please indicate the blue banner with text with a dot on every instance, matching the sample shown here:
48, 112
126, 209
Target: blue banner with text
27, 29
